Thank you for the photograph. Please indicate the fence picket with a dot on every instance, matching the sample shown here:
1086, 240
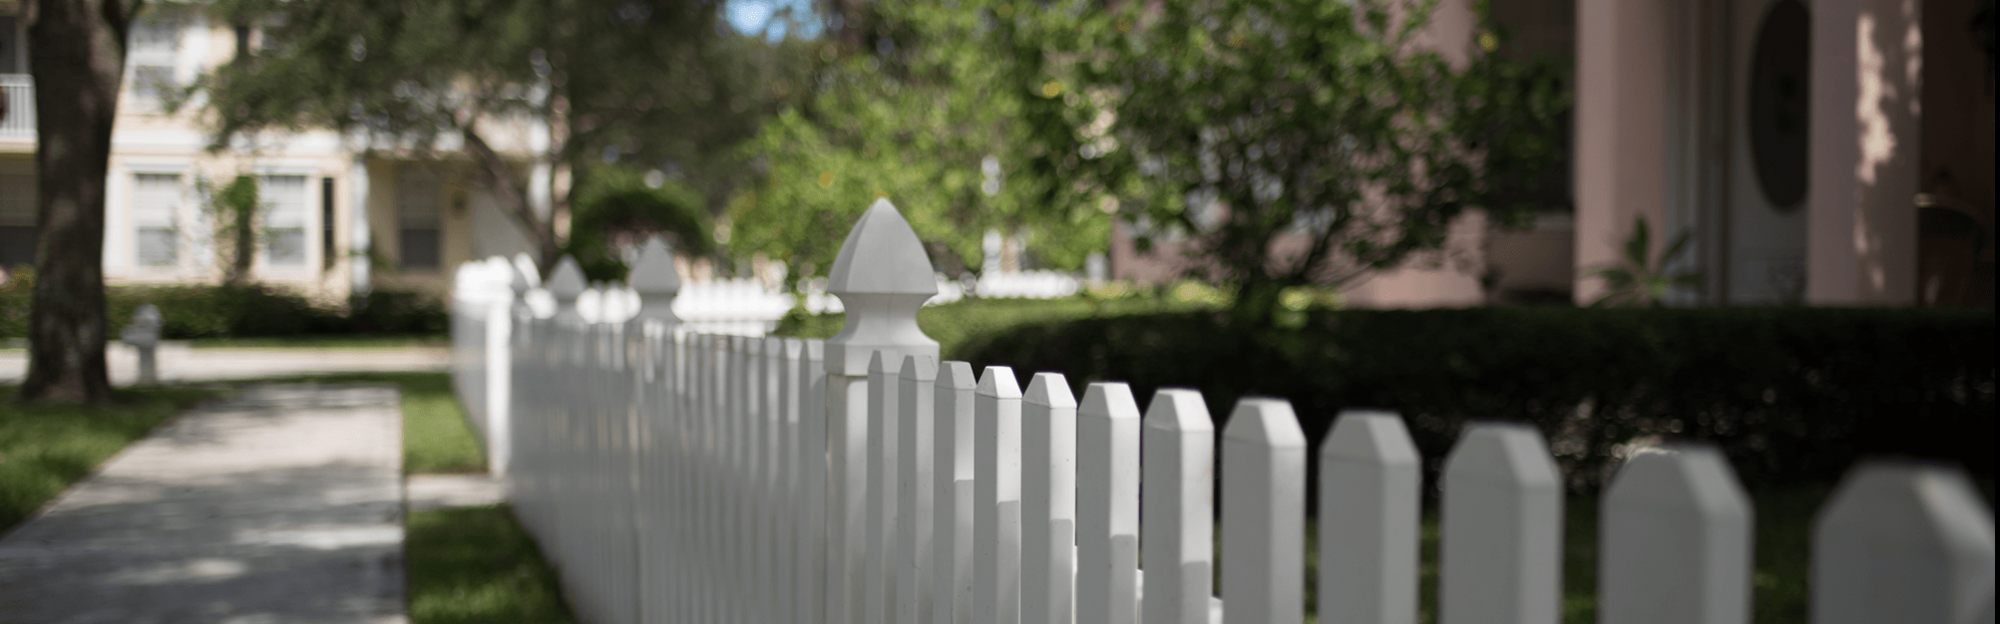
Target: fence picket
952, 546
915, 402
883, 487
781, 371
1107, 517
1177, 536
1675, 535
813, 565
1501, 555
1264, 493
996, 416
1369, 499
678, 477
1903, 542
1048, 501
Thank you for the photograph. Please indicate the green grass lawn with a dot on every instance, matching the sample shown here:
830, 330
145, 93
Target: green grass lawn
45, 448
476, 565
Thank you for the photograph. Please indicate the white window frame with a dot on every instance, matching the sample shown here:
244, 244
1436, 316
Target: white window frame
182, 218
309, 263
143, 98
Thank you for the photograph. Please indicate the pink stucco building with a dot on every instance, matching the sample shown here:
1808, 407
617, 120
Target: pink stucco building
1829, 152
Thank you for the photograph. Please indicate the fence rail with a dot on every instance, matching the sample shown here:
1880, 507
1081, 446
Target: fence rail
674, 476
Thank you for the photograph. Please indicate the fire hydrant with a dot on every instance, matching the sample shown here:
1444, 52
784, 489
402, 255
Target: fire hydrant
144, 334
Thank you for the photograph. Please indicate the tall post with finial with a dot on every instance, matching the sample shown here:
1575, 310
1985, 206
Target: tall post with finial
560, 345
882, 277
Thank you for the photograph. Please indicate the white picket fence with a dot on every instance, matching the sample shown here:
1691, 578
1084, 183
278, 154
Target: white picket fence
680, 477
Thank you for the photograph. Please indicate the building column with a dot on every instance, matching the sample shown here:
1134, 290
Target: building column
358, 238
1861, 224
1623, 72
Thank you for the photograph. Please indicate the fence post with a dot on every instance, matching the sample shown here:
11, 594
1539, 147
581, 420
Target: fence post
915, 402
1048, 501
996, 416
503, 397
1675, 540
883, 488
1903, 542
1107, 518
952, 545
1369, 499
1177, 537
565, 285
882, 277
1263, 537
1502, 547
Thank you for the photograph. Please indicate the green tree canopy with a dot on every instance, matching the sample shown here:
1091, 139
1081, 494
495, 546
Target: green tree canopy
631, 81
1241, 122
936, 106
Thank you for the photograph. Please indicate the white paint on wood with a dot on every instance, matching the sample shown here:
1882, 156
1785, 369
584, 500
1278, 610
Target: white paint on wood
916, 387
1177, 535
997, 530
1903, 542
1675, 535
1369, 501
1048, 501
883, 488
814, 474
1264, 499
1501, 558
1107, 502
882, 277
952, 545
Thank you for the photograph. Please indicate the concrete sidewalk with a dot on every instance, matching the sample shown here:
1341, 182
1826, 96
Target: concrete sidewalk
179, 363
282, 505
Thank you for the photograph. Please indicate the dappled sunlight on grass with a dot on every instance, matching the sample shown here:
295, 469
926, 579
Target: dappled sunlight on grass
45, 448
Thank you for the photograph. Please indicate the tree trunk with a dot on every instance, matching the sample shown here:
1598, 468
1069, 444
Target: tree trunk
77, 50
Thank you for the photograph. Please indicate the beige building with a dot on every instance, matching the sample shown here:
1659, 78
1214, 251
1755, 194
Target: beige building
1830, 152
341, 215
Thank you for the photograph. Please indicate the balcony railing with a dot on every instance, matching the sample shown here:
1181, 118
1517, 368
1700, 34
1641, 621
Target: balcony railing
20, 122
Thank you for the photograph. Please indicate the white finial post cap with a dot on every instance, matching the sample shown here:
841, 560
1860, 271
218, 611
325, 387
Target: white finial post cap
882, 277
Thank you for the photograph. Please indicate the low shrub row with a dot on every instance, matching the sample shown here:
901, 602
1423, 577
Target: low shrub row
210, 311
1792, 395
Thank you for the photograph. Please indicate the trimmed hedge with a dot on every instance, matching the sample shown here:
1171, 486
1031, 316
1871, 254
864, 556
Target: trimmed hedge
1792, 395
208, 311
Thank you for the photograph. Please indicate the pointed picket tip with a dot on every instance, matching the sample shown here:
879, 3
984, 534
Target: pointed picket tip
1265, 422
918, 368
524, 265
566, 283
1178, 409
998, 382
1507, 452
881, 255
655, 274
815, 349
794, 348
876, 363
1911, 501
774, 347
1049, 390
1683, 476
1370, 435
956, 375
518, 280
1108, 399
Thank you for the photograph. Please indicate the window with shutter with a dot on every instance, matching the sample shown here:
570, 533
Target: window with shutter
284, 198
419, 196
156, 207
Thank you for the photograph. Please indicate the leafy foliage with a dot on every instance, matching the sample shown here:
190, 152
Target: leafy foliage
234, 208
649, 81
621, 210
938, 110
1639, 280
1242, 123
1791, 395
